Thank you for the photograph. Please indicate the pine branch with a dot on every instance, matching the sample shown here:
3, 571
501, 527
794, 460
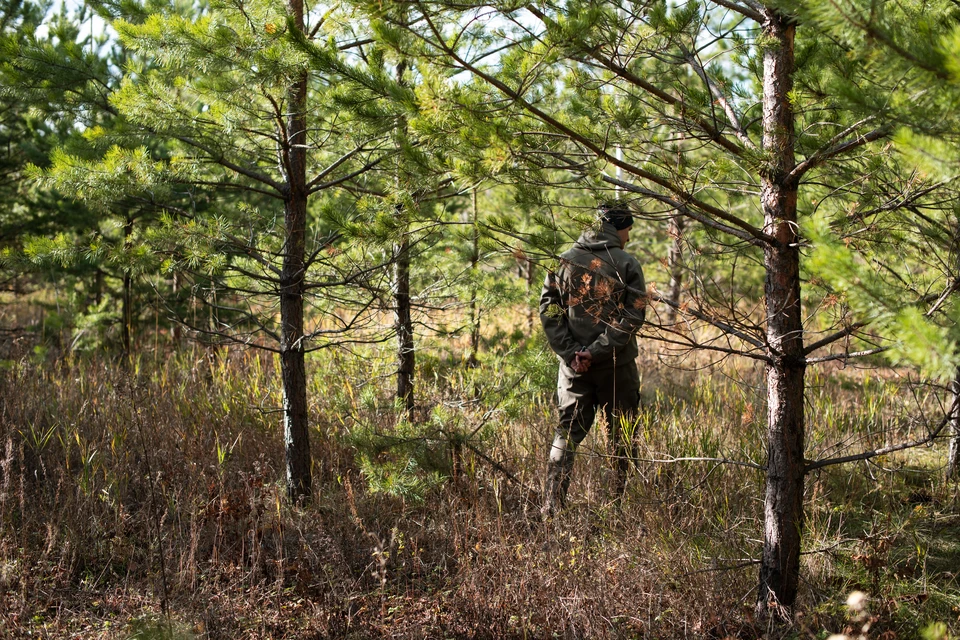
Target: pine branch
223, 162
333, 166
752, 10
346, 326
749, 233
231, 337
954, 285
846, 356
232, 186
833, 337
835, 148
722, 99
719, 324
316, 186
712, 132
583, 140
699, 346
389, 336
906, 202
350, 279
882, 36
738, 463
910, 444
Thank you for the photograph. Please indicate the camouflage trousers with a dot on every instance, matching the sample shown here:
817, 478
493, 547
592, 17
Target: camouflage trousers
615, 391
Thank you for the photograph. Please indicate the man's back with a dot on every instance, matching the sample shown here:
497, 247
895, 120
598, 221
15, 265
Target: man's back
595, 299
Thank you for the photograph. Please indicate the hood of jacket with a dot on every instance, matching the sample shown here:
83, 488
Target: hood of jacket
593, 239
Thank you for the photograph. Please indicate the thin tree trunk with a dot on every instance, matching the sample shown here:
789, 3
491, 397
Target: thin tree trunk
175, 290
474, 311
953, 452
98, 287
127, 305
675, 254
406, 356
292, 366
403, 315
953, 446
675, 266
783, 504
532, 286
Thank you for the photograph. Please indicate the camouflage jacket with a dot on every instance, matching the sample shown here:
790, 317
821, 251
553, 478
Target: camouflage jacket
596, 299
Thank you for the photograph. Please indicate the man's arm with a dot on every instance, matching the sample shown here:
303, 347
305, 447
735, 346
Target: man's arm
628, 317
553, 317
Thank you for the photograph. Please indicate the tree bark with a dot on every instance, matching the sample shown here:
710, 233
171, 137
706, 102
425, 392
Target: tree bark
98, 287
675, 266
292, 366
533, 286
403, 315
406, 356
953, 451
126, 309
474, 310
177, 333
783, 504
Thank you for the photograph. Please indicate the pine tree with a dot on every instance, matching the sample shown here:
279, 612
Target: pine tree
909, 51
610, 94
53, 86
252, 125
412, 184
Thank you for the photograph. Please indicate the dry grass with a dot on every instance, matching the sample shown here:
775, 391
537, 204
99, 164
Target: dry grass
127, 488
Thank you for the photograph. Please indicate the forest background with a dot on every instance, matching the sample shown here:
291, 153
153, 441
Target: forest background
271, 361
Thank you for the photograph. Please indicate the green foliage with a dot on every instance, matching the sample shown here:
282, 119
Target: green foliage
936, 631
92, 325
173, 139
407, 462
869, 292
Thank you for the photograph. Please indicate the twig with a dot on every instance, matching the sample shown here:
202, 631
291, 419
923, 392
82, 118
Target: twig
657, 297
751, 562
846, 355
866, 455
843, 333
496, 465
745, 563
739, 463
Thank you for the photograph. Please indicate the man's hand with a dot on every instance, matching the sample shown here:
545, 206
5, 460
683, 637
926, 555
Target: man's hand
581, 361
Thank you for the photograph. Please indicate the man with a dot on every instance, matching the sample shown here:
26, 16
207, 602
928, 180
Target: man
591, 309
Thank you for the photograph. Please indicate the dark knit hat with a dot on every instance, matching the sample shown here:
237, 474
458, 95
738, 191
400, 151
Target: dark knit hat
617, 214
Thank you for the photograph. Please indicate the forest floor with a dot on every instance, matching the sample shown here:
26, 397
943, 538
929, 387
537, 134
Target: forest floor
142, 498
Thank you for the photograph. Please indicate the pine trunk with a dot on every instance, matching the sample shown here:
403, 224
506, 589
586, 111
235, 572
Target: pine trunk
98, 287
474, 307
127, 312
675, 265
175, 290
127, 305
783, 504
403, 314
953, 452
406, 362
532, 287
292, 366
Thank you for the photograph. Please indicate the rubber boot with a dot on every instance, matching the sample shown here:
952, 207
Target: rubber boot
557, 483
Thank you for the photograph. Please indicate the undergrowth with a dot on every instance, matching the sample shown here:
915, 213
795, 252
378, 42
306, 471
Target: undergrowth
142, 498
